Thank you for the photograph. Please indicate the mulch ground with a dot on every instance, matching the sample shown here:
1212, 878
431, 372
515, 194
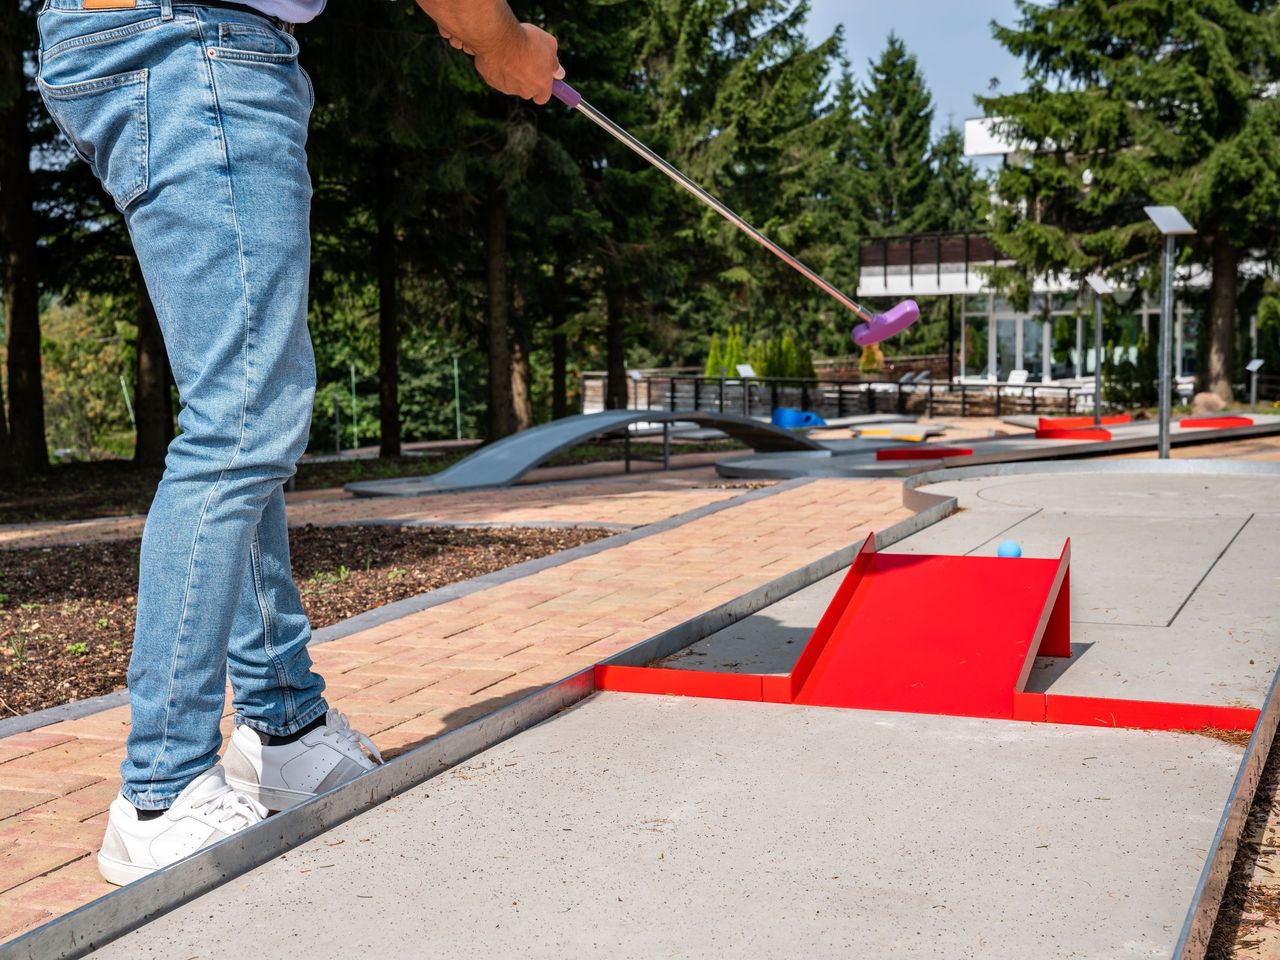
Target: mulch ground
67, 613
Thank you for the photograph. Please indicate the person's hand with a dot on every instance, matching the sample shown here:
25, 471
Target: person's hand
456, 43
524, 65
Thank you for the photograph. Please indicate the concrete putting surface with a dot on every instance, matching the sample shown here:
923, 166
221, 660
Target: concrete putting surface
636, 826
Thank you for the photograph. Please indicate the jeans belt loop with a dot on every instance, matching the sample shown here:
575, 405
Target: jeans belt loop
166, 9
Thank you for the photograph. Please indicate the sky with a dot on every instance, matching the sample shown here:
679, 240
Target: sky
951, 39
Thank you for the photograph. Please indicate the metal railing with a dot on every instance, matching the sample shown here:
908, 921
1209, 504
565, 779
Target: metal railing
759, 396
927, 252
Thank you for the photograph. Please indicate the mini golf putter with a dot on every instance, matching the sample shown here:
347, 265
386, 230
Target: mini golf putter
875, 326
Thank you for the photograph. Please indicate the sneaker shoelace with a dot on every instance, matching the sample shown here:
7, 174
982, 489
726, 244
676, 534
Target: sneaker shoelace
231, 810
339, 726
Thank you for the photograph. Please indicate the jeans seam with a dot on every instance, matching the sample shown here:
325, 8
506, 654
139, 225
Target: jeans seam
97, 39
204, 510
268, 629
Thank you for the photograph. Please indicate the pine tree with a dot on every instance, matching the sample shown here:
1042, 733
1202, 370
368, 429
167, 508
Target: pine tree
1135, 103
715, 358
890, 140
956, 198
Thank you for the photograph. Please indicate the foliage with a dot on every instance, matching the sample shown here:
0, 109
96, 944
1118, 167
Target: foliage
890, 142
86, 352
1129, 373
1138, 103
714, 366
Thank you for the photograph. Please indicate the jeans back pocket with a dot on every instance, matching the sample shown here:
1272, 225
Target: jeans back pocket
106, 121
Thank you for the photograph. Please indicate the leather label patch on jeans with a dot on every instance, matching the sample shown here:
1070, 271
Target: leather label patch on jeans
109, 4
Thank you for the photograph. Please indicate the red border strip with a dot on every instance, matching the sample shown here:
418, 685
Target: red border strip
1075, 423
922, 453
679, 683
1146, 714
1092, 433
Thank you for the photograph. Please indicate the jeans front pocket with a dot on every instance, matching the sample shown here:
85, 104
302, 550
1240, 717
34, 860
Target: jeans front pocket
253, 43
106, 121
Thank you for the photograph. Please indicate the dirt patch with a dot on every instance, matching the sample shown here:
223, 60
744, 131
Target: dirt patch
67, 613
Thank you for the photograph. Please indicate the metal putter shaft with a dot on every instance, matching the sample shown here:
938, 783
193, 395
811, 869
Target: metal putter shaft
876, 326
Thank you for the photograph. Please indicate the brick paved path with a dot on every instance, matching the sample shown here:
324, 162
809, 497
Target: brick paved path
630, 501
409, 680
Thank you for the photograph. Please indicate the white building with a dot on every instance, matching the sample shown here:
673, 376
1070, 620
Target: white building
1053, 339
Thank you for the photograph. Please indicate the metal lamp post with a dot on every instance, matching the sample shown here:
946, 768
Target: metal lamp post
1170, 222
1100, 289
1253, 367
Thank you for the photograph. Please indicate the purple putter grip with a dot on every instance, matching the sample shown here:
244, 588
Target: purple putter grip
885, 325
565, 94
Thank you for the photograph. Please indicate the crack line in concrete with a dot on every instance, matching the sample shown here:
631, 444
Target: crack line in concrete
1210, 570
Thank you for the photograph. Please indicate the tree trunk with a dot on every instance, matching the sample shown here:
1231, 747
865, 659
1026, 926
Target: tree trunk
521, 396
615, 397
501, 414
27, 453
1222, 318
388, 322
4, 437
559, 344
152, 405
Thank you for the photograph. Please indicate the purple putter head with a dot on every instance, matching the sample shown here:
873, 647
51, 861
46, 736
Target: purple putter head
885, 325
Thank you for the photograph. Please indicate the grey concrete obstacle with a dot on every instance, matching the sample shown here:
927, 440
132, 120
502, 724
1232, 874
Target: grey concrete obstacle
858, 460
510, 458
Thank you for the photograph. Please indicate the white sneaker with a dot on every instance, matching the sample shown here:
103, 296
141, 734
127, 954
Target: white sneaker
280, 776
205, 812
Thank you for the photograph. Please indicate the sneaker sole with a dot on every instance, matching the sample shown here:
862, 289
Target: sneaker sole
273, 798
121, 872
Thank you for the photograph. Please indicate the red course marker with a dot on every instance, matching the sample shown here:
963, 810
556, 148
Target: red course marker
1210, 423
921, 453
1075, 423
1092, 433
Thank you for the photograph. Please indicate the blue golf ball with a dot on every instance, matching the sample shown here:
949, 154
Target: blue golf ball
1009, 548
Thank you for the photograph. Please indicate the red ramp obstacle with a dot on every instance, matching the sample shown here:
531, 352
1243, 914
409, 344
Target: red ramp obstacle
954, 636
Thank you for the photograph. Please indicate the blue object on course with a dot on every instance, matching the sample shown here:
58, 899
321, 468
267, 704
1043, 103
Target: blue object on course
790, 419
1009, 548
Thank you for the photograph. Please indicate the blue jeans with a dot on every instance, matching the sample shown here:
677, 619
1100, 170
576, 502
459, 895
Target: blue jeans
195, 120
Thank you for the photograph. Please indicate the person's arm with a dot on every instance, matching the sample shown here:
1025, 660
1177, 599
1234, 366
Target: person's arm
513, 57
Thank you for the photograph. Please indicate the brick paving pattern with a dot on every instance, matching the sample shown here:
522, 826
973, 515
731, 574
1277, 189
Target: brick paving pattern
409, 680
631, 501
